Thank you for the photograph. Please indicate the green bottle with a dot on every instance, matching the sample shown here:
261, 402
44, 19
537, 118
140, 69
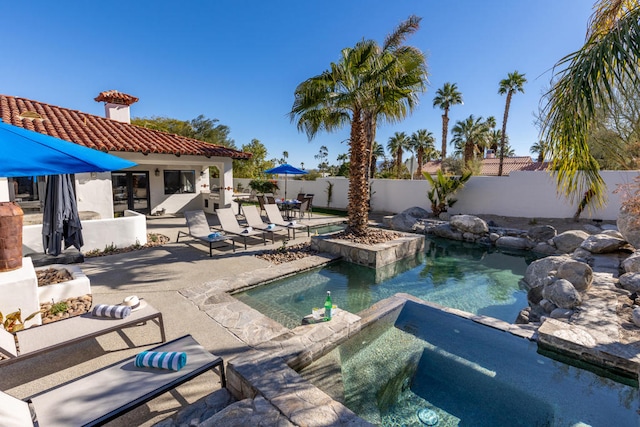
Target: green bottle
328, 305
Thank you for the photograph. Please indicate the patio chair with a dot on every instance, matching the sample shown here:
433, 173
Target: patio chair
275, 217
106, 394
200, 229
230, 225
254, 220
45, 338
261, 200
302, 208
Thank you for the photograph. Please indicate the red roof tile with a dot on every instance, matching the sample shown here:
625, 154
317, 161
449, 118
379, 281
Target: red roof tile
115, 97
489, 167
104, 134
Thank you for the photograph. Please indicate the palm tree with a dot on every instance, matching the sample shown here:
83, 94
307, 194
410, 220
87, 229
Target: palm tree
422, 143
540, 149
396, 146
377, 151
587, 79
367, 82
514, 82
445, 98
468, 134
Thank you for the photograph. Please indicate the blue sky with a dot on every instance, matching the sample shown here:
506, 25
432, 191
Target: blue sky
240, 61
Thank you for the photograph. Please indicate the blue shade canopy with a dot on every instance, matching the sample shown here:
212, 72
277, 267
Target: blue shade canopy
26, 153
286, 169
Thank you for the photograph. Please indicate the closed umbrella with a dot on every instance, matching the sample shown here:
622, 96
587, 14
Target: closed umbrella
286, 169
60, 221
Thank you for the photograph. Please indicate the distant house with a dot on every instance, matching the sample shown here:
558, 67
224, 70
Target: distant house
490, 165
173, 174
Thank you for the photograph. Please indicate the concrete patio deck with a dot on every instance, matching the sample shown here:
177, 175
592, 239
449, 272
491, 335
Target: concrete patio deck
158, 275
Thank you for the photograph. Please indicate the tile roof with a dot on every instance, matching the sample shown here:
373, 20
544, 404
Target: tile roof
115, 97
489, 167
101, 133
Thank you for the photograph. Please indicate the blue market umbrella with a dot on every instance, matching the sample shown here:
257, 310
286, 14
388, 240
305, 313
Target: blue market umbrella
28, 153
286, 169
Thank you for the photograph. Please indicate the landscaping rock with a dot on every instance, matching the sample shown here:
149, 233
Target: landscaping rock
636, 316
630, 282
539, 270
544, 249
578, 273
592, 229
629, 227
613, 233
547, 305
534, 295
632, 263
541, 233
469, 223
569, 241
562, 293
407, 219
514, 243
561, 313
602, 243
445, 231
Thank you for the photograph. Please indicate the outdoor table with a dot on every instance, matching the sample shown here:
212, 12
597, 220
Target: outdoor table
287, 206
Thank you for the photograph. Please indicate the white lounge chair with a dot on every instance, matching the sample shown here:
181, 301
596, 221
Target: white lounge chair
275, 217
200, 229
41, 339
254, 220
230, 225
106, 394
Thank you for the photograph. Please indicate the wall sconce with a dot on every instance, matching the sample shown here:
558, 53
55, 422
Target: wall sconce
203, 173
157, 172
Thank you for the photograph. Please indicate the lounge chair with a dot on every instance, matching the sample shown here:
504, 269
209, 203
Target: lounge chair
275, 217
41, 339
230, 225
254, 220
106, 394
200, 229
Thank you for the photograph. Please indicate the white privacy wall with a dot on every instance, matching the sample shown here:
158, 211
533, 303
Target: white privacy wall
521, 194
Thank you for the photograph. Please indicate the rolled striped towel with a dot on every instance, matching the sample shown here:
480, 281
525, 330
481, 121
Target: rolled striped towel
271, 226
214, 235
115, 311
174, 360
247, 230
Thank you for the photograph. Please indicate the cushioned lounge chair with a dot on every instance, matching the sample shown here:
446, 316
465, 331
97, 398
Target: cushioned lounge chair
200, 229
230, 225
41, 339
275, 217
254, 220
108, 393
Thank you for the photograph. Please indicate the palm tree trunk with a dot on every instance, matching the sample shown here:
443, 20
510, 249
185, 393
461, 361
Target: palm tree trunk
370, 129
398, 163
445, 127
358, 214
468, 153
504, 131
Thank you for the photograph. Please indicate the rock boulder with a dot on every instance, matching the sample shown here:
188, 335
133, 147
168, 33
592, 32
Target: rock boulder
469, 224
562, 294
602, 244
569, 241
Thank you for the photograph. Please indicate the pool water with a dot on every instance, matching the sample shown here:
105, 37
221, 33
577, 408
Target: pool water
479, 280
468, 374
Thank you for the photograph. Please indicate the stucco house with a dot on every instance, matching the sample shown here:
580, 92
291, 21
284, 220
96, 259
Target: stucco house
173, 174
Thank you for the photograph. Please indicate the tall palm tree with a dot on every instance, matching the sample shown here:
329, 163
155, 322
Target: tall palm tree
377, 151
423, 144
352, 91
512, 84
587, 79
446, 97
396, 146
468, 134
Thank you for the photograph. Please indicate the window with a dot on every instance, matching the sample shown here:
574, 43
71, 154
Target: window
179, 182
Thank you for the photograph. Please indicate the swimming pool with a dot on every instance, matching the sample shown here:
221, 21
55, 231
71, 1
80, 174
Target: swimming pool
479, 280
468, 374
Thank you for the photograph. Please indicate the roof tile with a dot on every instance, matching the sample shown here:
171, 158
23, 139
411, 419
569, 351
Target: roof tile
105, 134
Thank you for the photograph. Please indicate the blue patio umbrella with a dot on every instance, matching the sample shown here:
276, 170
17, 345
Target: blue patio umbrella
286, 169
28, 153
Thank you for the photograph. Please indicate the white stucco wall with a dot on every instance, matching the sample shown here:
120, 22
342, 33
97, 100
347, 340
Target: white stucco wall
93, 193
97, 234
521, 194
4, 190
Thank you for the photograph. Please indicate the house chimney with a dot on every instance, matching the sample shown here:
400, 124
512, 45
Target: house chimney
116, 105
490, 154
